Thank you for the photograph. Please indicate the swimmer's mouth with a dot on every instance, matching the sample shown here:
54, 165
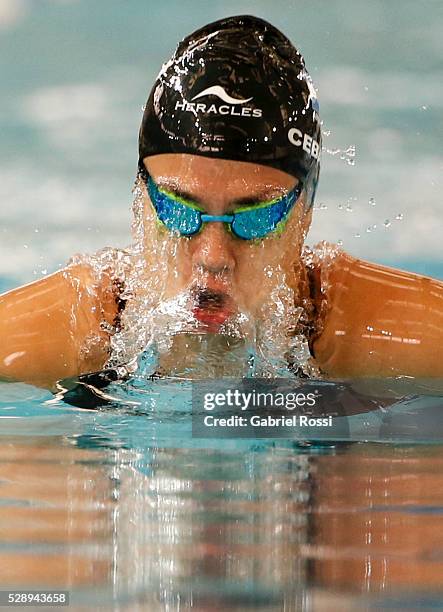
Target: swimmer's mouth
211, 307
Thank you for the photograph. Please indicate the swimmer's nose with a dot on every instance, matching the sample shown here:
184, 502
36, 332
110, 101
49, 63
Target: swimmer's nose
213, 250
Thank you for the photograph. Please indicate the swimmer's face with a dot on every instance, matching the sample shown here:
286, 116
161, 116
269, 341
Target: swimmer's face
246, 271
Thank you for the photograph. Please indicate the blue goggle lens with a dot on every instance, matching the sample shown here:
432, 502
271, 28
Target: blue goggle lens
260, 221
175, 215
249, 224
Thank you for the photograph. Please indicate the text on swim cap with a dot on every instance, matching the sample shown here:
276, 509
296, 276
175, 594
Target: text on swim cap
222, 109
308, 144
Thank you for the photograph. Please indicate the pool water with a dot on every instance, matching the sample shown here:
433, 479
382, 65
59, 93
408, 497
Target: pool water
121, 506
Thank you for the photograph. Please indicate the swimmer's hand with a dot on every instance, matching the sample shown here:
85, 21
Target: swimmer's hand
52, 328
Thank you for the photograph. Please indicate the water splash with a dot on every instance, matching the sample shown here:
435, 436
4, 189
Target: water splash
347, 155
158, 333
322, 206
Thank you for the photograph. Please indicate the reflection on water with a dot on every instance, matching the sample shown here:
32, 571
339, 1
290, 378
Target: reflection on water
247, 524
55, 513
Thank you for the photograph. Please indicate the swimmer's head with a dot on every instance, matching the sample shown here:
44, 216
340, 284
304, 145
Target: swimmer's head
231, 123
237, 89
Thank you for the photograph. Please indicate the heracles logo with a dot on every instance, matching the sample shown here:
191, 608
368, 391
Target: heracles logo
230, 107
217, 90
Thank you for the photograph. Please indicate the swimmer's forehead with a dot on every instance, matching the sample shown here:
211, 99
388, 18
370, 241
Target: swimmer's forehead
196, 178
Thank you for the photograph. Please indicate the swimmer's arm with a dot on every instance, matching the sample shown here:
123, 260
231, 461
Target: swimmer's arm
380, 322
44, 326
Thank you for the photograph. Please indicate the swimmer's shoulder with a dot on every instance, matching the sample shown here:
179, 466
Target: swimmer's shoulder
53, 328
374, 320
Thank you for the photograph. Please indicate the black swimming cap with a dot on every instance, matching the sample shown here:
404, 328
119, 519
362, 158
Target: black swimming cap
236, 89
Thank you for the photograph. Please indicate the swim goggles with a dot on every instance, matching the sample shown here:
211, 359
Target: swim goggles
247, 223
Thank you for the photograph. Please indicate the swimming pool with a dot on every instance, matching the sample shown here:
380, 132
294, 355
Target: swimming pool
119, 504
74, 77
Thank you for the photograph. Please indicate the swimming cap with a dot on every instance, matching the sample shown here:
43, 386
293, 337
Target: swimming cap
236, 89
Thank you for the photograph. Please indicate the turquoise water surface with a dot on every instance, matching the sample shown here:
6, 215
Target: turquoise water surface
123, 507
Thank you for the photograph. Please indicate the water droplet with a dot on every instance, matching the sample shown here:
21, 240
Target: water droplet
350, 151
349, 208
399, 217
44, 271
372, 201
36, 230
25, 246
331, 151
424, 107
368, 229
326, 132
366, 88
387, 223
357, 235
340, 207
374, 226
369, 328
340, 242
323, 206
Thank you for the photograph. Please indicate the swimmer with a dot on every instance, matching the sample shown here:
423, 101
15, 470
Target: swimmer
229, 161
